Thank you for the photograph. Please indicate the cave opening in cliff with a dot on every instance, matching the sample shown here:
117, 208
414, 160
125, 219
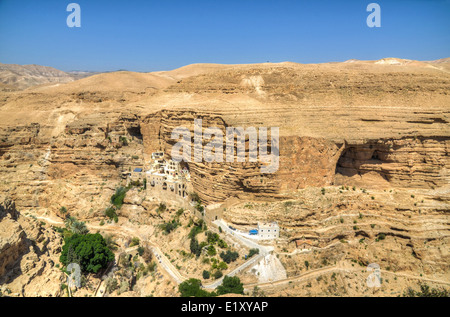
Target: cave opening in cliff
135, 132
363, 161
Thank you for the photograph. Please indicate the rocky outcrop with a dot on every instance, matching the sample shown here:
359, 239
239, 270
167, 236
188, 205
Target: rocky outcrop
12, 237
406, 162
28, 253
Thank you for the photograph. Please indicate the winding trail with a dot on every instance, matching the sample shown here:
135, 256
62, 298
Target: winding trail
264, 250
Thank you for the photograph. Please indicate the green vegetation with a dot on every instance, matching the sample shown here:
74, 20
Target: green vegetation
211, 251
123, 140
206, 275
135, 241
426, 291
218, 274
193, 288
118, 197
63, 210
161, 208
323, 191
252, 252
110, 242
222, 266
110, 212
212, 237
195, 197
198, 227
170, 226
199, 207
195, 247
74, 226
231, 285
229, 256
111, 285
89, 251
222, 244
179, 212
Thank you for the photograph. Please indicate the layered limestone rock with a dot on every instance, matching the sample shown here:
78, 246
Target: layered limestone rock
406, 162
12, 238
28, 253
398, 230
343, 123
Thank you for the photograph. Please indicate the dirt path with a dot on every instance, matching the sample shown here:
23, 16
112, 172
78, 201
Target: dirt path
179, 278
337, 268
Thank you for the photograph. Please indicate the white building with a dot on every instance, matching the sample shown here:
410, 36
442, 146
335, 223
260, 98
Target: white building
268, 230
167, 175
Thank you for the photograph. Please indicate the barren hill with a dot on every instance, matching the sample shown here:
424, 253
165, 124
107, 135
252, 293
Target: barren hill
24, 76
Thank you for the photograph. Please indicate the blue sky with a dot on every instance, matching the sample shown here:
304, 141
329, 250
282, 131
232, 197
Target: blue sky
166, 34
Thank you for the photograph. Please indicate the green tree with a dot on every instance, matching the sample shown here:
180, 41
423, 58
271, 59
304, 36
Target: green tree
118, 197
79, 227
230, 285
212, 237
229, 256
222, 244
195, 247
211, 250
90, 249
222, 266
206, 274
170, 226
218, 274
252, 252
110, 212
193, 287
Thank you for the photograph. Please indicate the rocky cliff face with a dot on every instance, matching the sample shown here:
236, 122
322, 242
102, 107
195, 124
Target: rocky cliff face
12, 237
304, 161
28, 253
407, 162
353, 124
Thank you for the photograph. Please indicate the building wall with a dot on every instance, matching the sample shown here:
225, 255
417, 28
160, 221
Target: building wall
267, 231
